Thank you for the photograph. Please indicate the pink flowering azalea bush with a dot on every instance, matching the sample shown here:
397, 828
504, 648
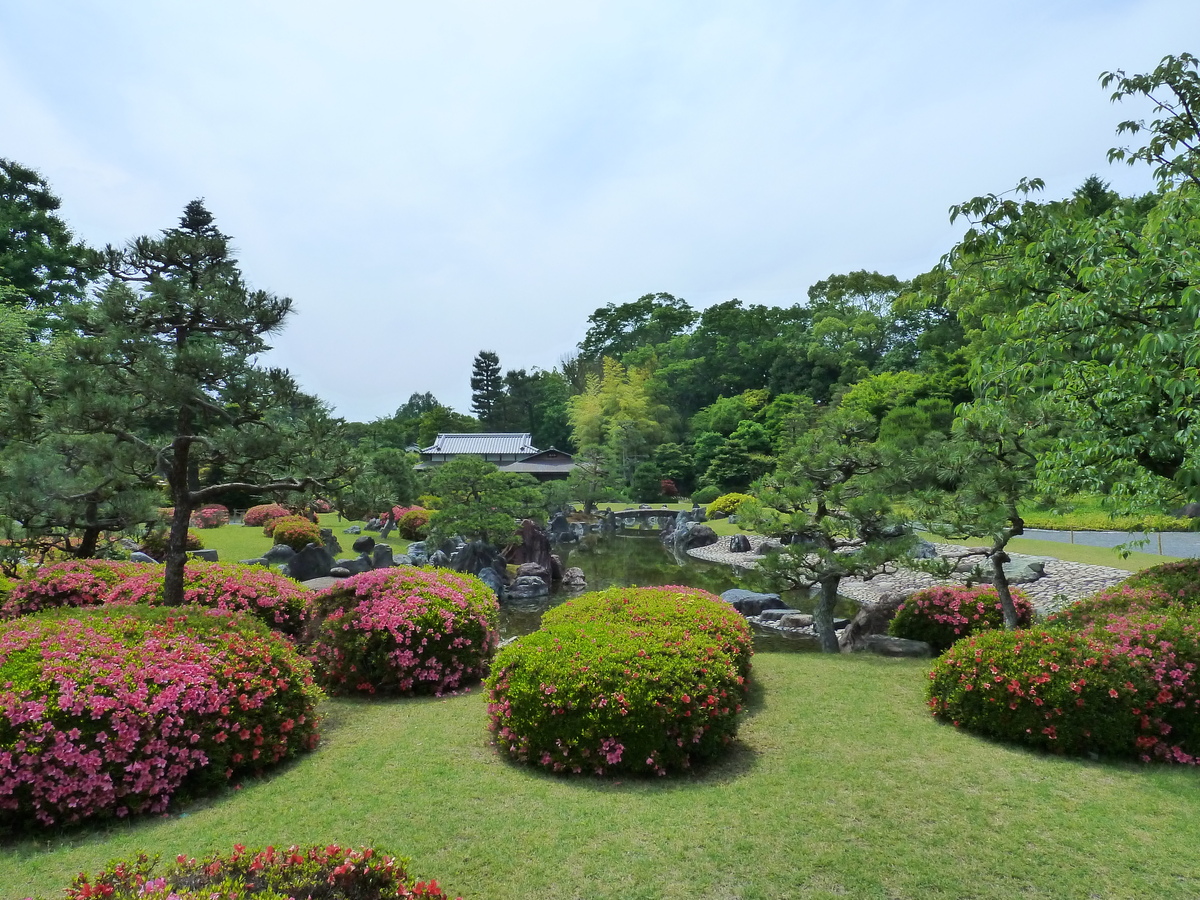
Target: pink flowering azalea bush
1124, 686
1120, 599
403, 630
75, 582
257, 515
212, 515
329, 873
113, 712
279, 602
942, 615
641, 692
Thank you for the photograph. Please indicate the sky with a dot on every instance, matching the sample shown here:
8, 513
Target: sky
428, 180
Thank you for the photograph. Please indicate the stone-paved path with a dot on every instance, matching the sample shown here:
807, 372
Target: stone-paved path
1063, 583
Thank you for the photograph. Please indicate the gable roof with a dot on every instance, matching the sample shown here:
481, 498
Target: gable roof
543, 462
491, 444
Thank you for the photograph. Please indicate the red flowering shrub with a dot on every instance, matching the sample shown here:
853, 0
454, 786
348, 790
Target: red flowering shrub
1178, 580
403, 631
107, 712
320, 505
672, 607
1125, 687
942, 615
414, 524
295, 531
601, 697
279, 602
155, 542
1120, 599
76, 582
211, 516
258, 515
331, 873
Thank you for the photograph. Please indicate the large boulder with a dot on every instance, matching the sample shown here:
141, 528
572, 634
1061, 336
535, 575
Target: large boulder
206, 555
870, 619
356, 565
739, 543
138, 556
1191, 510
751, 603
527, 587
695, 535
418, 552
472, 558
364, 544
330, 542
381, 557
492, 579
311, 562
532, 547
574, 579
886, 645
280, 553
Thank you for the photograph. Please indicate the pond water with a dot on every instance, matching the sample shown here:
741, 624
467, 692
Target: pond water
644, 562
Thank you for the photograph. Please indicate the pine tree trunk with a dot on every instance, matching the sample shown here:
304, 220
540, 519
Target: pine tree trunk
823, 614
91, 533
1000, 583
178, 478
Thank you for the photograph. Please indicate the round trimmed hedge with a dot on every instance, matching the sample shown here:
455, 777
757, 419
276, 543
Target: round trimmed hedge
403, 630
330, 872
75, 582
155, 542
296, 532
943, 614
1126, 686
212, 515
258, 515
413, 525
640, 680
279, 602
670, 607
113, 712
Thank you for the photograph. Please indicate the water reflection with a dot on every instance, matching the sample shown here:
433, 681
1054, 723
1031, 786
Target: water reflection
644, 562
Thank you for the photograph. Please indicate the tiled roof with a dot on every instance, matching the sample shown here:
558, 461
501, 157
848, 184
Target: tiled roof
490, 444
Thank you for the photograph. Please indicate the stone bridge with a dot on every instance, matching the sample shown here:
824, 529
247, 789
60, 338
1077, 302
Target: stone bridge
643, 519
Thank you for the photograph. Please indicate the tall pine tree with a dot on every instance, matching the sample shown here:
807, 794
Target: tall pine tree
487, 389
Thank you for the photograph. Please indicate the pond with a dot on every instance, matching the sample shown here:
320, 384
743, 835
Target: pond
626, 561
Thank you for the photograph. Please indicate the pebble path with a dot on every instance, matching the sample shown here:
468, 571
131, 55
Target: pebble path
1063, 582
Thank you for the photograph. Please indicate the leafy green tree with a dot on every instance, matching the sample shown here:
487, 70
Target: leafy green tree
487, 389
595, 478
480, 502
615, 413
674, 461
650, 320
162, 366
443, 420
379, 480
839, 506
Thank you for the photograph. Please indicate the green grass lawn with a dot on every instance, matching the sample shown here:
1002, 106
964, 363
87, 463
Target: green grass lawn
841, 785
237, 542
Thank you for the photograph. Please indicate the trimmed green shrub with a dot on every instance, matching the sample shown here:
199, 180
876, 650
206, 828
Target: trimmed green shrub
273, 522
601, 697
673, 609
76, 582
113, 712
296, 532
413, 525
155, 542
280, 603
725, 505
705, 495
258, 515
403, 630
330, 873
1124, 688
943, 614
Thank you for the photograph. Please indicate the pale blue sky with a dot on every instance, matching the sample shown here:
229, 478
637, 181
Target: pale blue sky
427, 180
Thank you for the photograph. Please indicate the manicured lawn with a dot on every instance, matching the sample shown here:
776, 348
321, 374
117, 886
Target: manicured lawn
841, 785
237, 542
1080, 553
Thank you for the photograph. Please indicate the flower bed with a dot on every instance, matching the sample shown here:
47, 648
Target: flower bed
942, 615
279, 602
601, 697
76, 582
403, 631
330, 873
109, 712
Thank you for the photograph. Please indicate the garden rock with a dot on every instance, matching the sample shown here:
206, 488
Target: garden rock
533, 547
695, 535
1191, 510
339, 572
330, 542
527, 587
418, 553
311, 562
372, 525
403, 560
474, 557
353, 529
492, 579
256, 562
355, 566
381, 557
870, 620
751, 603
739, 543
440, 559
923, 549
280, 553
886, 645
363, 544
206, 555
774, 615
138, 556
574, 579
532, 568
796, 620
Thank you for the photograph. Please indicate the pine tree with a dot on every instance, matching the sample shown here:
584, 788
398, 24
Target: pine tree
487, 388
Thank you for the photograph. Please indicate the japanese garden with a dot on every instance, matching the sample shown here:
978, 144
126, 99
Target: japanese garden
808, 599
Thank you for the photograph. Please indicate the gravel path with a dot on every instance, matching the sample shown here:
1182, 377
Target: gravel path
1063, 583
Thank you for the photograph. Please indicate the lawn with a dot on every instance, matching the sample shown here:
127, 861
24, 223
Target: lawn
237, 542
840, 785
